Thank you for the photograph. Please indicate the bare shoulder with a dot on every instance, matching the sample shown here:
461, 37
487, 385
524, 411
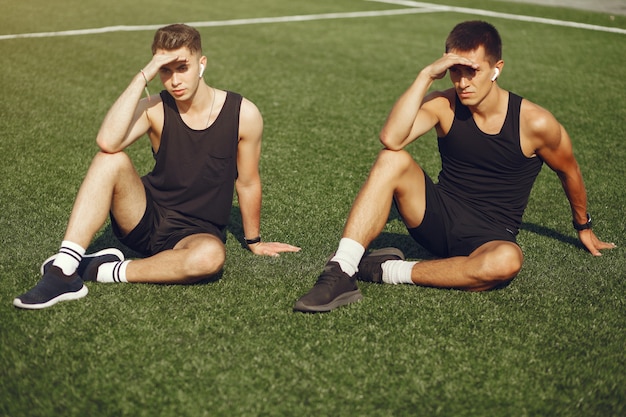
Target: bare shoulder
151, 104
153, 109
250, 120
535, 119
441, 99
538, 125
249, 110
440, 104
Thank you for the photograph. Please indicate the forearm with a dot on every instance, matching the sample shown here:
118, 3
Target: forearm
118, 119
577, 196
396, 133
250, 196
574, 188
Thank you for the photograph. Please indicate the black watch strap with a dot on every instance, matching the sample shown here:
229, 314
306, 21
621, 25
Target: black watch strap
583, 226
252, 241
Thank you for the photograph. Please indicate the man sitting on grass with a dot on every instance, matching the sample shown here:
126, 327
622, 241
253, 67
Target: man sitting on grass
492, 145
205, 142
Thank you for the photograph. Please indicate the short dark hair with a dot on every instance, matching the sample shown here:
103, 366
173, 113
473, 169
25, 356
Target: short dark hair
177, 36
470, 35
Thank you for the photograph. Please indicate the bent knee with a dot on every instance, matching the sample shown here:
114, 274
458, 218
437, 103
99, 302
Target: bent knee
205, 261
510, 260
501, 266
117, 157
112, 161
391, 166
394, 159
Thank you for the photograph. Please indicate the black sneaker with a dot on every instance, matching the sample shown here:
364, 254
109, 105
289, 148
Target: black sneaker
53, 287
88, 266
370, 267
334, 288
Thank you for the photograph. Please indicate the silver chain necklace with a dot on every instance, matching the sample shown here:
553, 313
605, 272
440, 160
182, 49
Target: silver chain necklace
211, 111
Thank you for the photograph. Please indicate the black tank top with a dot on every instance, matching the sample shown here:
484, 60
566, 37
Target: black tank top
488, 173
195, 170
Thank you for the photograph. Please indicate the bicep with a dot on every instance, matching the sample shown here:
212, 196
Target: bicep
250, 137
435, 108
141, 122
425, 120
556, 149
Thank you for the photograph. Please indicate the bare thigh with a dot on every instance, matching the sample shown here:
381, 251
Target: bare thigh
111, 184
195, 257
410, 190
128, 202
395, 175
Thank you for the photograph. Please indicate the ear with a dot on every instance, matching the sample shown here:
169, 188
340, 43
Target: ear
497, 70
202, 66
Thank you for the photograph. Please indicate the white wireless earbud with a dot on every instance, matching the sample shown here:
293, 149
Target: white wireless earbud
496, 72
201, 70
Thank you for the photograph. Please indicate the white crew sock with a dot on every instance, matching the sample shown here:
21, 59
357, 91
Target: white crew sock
112, 272
397, 272
348, 255
70, 255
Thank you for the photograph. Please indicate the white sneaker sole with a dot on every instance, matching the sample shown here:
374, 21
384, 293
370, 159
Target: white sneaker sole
68, 296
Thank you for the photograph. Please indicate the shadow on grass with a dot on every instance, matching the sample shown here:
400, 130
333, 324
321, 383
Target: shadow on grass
413, 250
552, 234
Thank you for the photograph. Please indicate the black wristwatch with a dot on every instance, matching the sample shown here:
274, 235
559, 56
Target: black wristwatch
583, 226
252, 241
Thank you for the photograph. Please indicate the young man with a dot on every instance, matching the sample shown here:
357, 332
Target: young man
205, 142
492, 145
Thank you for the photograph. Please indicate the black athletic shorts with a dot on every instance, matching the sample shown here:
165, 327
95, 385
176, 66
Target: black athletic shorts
451, 228
161, 229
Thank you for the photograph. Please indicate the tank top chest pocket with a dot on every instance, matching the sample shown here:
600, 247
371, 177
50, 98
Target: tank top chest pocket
219, 166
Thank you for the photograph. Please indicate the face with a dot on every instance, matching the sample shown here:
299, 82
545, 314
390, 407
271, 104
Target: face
182, 76
473, 85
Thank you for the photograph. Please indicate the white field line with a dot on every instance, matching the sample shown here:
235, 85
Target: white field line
414, 8
533, 19
234, 22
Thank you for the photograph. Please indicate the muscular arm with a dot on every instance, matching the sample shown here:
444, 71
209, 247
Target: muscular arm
248, 184
415, 113
554, 146
127, 120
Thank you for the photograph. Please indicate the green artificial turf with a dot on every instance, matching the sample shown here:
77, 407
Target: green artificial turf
550, 344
